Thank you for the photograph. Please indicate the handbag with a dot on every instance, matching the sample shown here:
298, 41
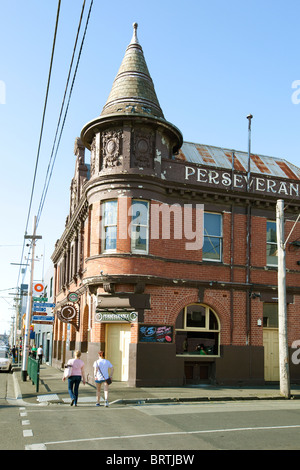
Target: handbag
67, 371
108, 381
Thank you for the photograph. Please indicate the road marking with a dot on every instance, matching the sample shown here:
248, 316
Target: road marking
26, 422
27, 433
35, 447
136, 436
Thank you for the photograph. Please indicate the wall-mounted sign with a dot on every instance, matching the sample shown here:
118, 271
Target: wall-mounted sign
155, 334
107, 316
73, 297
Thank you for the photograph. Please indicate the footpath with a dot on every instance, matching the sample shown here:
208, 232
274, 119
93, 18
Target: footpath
52, 390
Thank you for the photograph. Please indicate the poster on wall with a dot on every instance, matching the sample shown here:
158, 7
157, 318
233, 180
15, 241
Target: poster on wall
155, 334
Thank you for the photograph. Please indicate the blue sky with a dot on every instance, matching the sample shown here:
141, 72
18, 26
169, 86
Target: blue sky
212, 64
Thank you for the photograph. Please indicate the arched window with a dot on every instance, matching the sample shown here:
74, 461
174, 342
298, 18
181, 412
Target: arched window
197, 331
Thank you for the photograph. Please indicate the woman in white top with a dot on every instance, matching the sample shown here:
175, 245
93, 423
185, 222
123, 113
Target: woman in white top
103, 370
77, 374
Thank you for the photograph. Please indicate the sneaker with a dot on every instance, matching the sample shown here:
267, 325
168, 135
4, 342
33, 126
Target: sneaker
97, 404
106, 403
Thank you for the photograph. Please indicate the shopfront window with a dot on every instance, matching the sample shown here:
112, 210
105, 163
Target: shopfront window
197, 331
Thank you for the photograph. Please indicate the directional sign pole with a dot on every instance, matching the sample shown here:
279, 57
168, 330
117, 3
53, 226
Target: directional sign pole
33, 237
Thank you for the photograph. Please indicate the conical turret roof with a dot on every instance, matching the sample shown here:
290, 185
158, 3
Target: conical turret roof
133, 89
132, 97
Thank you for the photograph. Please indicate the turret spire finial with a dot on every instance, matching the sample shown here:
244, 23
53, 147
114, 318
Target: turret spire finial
134, 39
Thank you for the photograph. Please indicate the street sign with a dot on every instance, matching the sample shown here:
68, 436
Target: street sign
40, 299
43, 318
39, 309
43, 305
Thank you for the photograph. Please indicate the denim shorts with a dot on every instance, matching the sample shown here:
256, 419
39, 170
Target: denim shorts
100, 381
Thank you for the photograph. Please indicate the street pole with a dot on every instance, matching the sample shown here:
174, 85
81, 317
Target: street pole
33, 237
282, 305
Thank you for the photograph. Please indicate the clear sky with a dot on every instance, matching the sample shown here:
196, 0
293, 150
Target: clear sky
212, 64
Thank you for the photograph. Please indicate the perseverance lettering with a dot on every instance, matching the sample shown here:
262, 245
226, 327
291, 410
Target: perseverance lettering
229, 180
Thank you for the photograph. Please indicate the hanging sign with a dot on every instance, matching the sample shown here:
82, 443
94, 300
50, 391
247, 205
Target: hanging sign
69, 313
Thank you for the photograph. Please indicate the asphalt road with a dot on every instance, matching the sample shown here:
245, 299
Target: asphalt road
185, 428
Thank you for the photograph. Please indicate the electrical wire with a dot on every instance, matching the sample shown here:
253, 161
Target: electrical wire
46, 186
44, 113
41, 131
60, 115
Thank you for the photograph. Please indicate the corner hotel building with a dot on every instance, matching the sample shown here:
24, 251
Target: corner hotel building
166, 314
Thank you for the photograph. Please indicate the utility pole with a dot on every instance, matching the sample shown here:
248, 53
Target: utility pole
32, 237
284, 370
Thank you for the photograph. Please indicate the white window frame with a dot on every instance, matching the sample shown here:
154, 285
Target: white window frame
146, 226
103, 227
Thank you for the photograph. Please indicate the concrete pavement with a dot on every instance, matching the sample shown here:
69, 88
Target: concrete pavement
52, 390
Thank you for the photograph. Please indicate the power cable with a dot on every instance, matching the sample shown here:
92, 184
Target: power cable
44, 112
61, 109
46, 186
41, 131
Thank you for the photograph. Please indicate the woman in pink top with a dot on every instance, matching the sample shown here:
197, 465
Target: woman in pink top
77, 373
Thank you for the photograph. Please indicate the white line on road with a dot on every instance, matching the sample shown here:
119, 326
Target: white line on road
135, 436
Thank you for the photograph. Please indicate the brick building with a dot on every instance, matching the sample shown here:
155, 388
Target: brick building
169, 249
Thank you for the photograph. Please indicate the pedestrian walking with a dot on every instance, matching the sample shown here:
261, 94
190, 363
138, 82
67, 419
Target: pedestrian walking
14, 353
103, 372
33, 351
40, 353
76, 367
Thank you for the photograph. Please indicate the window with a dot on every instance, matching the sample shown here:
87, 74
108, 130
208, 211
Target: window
109, 226
272, 259
197, 331
139, 226
212, 246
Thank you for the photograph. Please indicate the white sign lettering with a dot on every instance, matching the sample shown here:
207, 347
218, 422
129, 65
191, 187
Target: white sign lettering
238, 181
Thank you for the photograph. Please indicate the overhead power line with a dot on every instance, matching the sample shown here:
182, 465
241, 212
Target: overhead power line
41, 131
44, 112
49, 173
